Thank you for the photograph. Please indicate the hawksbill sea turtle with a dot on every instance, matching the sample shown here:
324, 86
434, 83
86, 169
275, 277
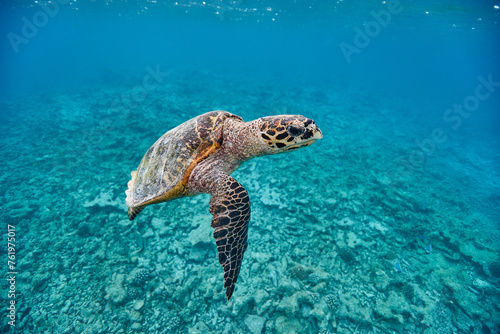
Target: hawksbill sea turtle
199, 156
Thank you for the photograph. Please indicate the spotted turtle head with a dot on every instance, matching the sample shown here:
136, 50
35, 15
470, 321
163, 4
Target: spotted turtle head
285, 133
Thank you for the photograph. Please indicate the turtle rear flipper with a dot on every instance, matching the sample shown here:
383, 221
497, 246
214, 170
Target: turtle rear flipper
230, 207
134, 211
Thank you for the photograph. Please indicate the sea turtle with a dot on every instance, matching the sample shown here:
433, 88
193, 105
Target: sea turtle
199, 156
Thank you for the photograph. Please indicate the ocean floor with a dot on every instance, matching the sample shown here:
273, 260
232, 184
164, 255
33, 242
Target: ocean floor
344, 237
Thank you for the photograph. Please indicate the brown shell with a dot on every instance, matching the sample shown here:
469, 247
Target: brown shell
165, 168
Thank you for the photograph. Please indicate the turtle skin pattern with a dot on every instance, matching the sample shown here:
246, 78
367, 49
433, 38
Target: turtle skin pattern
230, 207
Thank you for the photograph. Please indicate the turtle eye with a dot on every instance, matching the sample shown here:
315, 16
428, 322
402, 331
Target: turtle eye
295, 130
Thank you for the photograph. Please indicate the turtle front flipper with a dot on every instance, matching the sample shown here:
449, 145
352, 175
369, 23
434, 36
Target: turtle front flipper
230, 207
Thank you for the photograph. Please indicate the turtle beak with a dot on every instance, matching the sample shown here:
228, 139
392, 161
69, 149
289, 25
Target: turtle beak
317, 133
313, 129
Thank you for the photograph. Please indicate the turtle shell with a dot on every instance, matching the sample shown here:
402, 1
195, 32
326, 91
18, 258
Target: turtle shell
164, 170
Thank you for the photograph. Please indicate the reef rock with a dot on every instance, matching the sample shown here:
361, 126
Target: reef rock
255, 323
285, 325
115, 291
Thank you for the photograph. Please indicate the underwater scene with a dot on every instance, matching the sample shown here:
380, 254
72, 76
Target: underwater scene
346, 179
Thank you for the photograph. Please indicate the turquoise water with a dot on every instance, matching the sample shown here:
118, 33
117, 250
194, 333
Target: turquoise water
389, 224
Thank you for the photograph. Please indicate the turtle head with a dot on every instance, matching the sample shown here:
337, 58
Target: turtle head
285, 133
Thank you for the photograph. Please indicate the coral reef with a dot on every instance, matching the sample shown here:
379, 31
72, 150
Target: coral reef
346, 254
134, 292
328, 224
408, 291
299, 272
141, 277
314, 278
332, 301
494, 269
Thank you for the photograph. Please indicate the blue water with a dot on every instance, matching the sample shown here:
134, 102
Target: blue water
389, 224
